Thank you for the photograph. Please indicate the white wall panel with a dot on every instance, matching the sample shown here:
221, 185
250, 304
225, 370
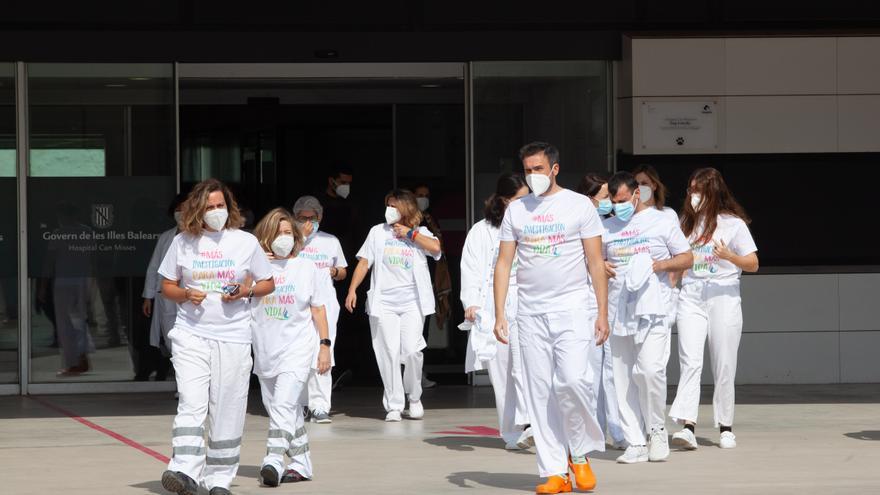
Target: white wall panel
790, 303
781, 66
781, 124
805, 357
678, 67
858, 357
858, 65
859, 122
859, 301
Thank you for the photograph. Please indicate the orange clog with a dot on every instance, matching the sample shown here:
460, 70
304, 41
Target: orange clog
583, 475
555, 484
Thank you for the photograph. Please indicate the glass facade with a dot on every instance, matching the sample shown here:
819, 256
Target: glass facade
103, 166
101, 174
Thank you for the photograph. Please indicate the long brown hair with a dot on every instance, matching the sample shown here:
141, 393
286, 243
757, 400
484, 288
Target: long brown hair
267, 230
407, 206
715, 199
660, 193
193, 209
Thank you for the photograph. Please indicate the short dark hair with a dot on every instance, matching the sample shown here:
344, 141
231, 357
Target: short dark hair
591, 184
177, 201
536, 147
622, 179
338, 169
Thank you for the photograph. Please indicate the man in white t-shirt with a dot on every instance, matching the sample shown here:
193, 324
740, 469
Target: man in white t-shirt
556, 236
642, 245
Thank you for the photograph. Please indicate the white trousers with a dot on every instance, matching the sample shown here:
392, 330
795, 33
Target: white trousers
212, 380
557, 351
505, 373
607, 412
713, 311
397, 339
640, 382
287, 431
320, 386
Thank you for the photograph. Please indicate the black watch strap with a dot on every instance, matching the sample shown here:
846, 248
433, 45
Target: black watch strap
326, 342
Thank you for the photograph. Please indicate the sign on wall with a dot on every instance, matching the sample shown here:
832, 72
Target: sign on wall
679, 126
95, 226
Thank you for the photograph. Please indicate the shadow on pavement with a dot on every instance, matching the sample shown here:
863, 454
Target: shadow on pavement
507, 481
865, 435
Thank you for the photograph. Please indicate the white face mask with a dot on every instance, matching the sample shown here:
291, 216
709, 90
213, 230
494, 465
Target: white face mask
423, 203
177, 216
216, 219
392, 215
282, 245
646, 193
538, 183
343, 190
695, 201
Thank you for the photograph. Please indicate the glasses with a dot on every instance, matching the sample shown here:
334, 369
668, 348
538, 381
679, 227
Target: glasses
306, 219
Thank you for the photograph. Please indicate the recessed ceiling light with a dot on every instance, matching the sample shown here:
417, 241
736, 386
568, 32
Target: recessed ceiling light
115, 85
430, 85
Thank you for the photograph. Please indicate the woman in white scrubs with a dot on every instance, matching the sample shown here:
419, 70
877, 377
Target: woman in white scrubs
595, 187
289, 331
399, 299
212, 270
484, 351
653, 191
709, 305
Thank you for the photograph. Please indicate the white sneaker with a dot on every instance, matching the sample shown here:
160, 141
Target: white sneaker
658, 445
728, 440
526, 439
320, 417
512, 445
634, 454
685, 439
392, 416
416, 411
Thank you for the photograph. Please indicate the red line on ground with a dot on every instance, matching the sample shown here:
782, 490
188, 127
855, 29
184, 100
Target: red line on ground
472, 430
97, 427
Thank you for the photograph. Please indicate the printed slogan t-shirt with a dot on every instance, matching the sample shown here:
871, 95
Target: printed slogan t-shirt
325, 251
735, 234
648, 231
552, 274
285, 338
207, 263
398, 256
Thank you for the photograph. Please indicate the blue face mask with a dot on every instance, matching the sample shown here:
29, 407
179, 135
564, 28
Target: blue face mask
604, 207
624, 211
315, 225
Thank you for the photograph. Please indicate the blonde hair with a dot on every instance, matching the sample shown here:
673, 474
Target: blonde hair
267, 230
410, 215
192, 212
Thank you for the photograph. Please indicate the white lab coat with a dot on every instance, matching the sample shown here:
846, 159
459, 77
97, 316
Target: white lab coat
164, 311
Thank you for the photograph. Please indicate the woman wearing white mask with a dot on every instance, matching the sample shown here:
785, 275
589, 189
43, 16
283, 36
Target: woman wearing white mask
709, 305
289, 330
399, 298
653, 191
595, 187
161, 311
325, 251
203, 272
484, 351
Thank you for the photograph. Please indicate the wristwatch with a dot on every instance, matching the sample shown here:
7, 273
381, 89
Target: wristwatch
325, 342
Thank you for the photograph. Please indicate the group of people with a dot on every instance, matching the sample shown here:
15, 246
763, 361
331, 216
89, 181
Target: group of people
569, 299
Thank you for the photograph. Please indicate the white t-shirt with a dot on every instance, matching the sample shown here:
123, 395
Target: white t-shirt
735, 234
398, 257
552, 274
648, 231
669, 212
285, 338
207, 263
326, 252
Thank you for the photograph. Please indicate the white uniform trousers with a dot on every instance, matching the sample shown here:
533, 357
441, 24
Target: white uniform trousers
397, 339
505, 373
557, 351
287, 432
320, 386
640, 381
713, 311
212, 380
607, 412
